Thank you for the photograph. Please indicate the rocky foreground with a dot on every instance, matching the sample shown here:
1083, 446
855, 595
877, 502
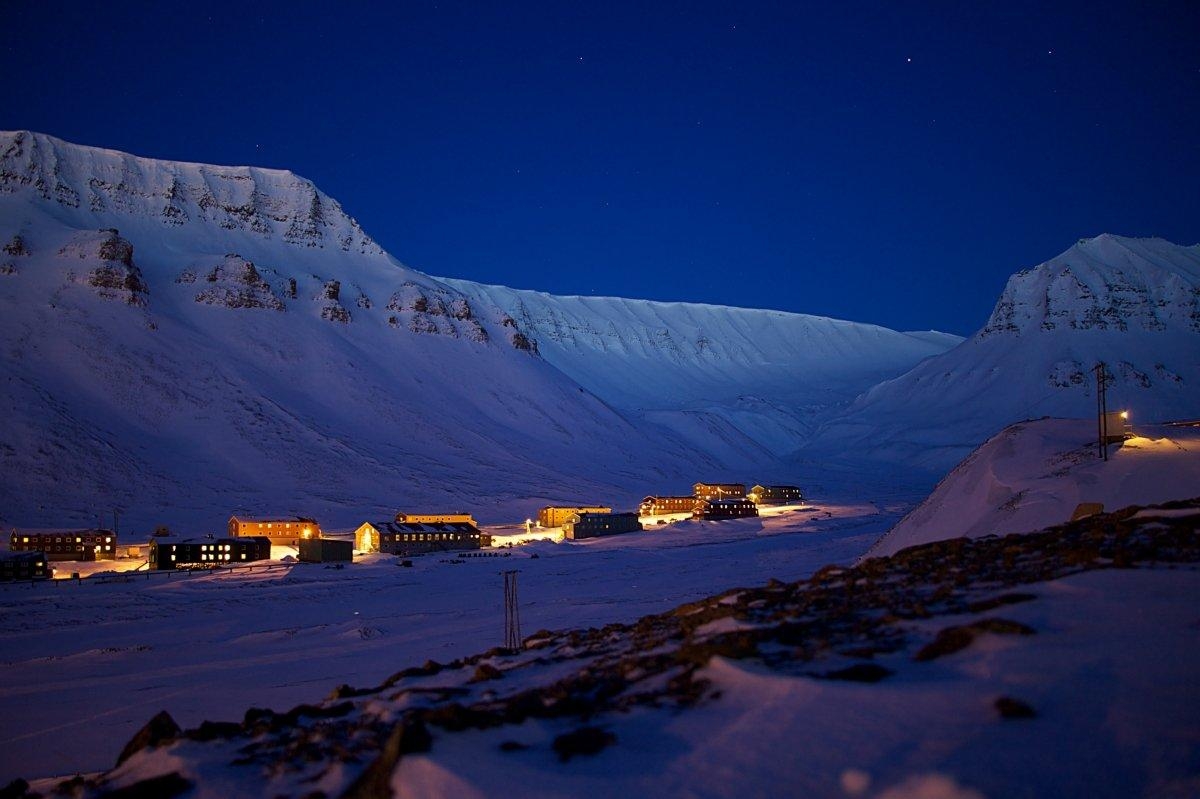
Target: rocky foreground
842, 625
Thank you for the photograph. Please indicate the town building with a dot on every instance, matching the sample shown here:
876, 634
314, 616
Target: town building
661, 506
435, 518
775, 495
593, 525
24, 566
207, 553
326, 550
412, 538
706, 491
281, 531
718, 509
556, 515
61, 544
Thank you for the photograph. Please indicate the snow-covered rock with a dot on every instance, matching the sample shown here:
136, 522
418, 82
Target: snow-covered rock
1132, 303
1033, 475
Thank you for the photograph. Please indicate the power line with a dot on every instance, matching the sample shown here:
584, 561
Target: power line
512, 612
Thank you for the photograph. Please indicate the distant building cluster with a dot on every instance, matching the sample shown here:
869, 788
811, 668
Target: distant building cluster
250, 539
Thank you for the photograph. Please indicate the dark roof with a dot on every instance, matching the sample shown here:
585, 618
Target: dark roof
226, 540
6, 555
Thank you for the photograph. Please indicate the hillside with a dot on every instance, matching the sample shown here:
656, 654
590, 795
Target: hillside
746, 378
185, 341
1133, 303
962, 669
1033, 474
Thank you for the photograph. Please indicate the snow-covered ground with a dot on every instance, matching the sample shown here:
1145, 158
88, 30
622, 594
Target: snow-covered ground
1116, 699
90, 662
1033, 474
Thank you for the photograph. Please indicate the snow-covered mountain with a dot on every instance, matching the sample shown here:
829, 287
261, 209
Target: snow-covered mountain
183, 341
738, 379
1033, 474
1132, 303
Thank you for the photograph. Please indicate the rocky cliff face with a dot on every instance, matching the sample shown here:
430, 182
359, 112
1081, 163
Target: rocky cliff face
266, 203
1106, 283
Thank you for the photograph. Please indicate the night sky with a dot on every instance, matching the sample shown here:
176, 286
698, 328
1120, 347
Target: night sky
882, 163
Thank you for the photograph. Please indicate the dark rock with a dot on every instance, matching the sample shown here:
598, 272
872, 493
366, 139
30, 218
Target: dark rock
953, 639
16, 246
162, 787
985, 605
1010, 708
860, 672
407, 737
486, 671
583, 741
213, 730
158, 730
15, 789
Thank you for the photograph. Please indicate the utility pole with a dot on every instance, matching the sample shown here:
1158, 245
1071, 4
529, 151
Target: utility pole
1103, 380
512, 612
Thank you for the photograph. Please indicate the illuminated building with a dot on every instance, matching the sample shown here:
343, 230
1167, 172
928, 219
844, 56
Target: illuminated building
555, 515
90, 544
775, 495
412, 538
706, 491
23, 566
661, 506
717, 509
287, 532
592, 525
208, 553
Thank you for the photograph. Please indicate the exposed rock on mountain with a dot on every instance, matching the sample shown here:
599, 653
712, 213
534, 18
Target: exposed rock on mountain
236, 283
108, 259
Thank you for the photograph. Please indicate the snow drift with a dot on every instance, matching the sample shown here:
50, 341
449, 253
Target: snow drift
1033, 474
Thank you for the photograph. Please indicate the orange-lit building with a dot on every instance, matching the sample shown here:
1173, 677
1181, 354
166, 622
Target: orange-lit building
661, 506
287, 532
557, 515
66, 544
706, 491
434, 518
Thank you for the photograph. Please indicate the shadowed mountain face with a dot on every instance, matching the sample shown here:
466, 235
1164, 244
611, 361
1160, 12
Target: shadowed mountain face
183, 342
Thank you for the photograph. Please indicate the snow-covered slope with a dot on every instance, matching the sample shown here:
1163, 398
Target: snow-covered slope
737, 378
182, 342
1033, 474
1132, 303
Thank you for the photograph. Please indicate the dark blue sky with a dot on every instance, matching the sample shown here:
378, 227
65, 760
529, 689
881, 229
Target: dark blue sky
772, 155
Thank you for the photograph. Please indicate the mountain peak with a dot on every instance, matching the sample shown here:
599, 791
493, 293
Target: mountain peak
1106, 282
264, 203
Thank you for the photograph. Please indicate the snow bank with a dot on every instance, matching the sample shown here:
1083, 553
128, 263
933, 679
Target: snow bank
1033, 475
